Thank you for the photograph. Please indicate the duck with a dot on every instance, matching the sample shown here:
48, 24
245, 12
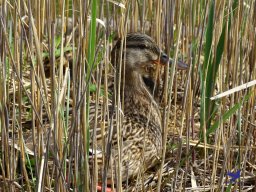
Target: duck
138, 61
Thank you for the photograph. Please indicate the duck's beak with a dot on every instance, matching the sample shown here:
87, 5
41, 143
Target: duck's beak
164, 59
180, 65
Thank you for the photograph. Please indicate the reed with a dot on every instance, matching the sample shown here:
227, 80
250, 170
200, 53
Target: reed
55, 64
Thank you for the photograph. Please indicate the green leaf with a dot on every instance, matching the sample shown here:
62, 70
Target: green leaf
209, 36
229, 187
57, 52
228, 114
204, 112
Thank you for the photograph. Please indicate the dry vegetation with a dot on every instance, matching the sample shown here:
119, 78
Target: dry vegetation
55, 63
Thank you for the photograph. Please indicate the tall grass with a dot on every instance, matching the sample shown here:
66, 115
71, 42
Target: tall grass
55, 65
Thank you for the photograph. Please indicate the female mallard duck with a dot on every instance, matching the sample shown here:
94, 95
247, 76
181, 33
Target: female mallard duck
138, 59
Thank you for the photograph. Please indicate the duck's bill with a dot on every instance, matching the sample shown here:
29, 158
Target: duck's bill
180, 65
158, 62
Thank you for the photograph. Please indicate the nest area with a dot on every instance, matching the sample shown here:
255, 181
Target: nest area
185, 167
45, 91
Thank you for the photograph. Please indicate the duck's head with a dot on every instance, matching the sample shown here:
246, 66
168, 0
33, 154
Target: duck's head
141, 56
141, 61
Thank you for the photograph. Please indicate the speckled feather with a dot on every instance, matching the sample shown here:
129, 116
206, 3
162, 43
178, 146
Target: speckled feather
141, 129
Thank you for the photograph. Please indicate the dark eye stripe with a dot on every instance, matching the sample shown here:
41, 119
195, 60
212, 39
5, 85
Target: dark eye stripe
139, 41
134, 44
141, 46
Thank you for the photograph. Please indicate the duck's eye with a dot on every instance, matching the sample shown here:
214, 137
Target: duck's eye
142, 46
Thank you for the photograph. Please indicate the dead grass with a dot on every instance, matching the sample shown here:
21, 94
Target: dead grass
55, 63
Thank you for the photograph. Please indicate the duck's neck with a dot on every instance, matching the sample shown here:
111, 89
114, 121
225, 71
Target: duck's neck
135, 86
139, 103
137, 97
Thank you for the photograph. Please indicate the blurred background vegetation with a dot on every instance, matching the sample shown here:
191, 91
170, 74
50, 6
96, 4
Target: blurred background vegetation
55, 62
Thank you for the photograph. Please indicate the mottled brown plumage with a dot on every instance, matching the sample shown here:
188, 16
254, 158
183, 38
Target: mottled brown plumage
139, 60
